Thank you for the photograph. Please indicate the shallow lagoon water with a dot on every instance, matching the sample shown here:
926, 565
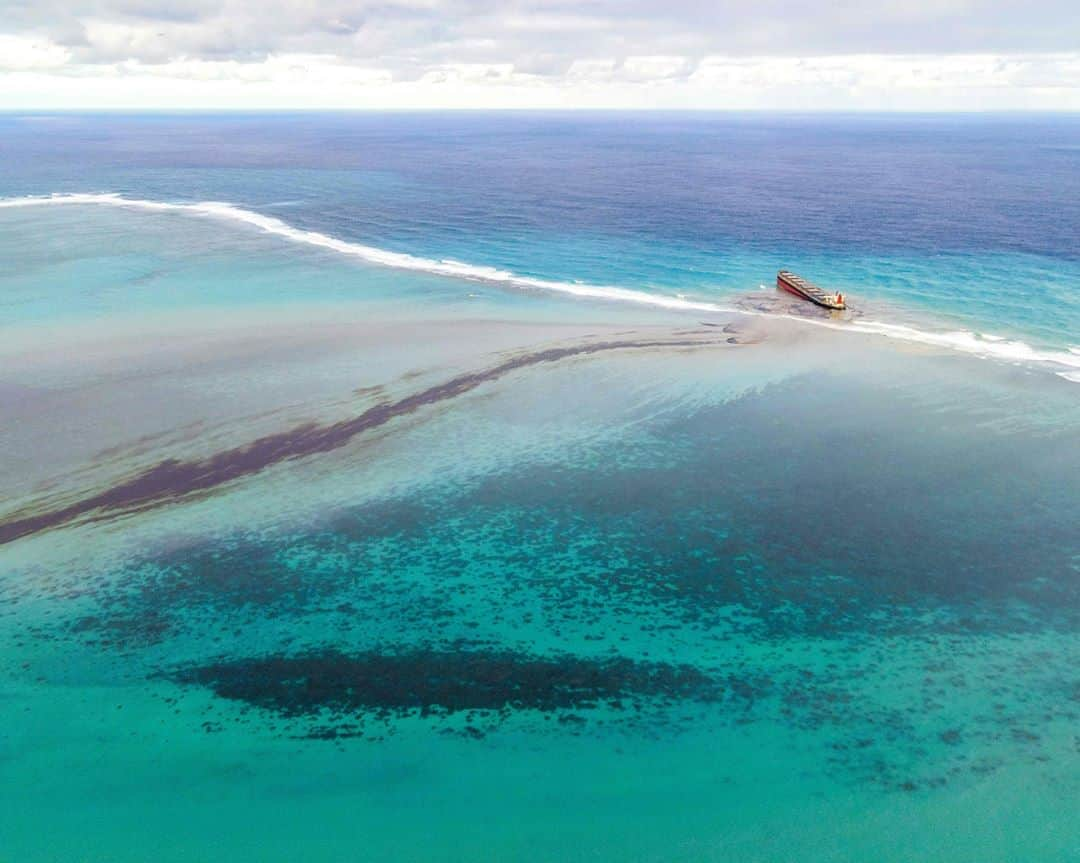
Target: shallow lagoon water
730, 587
681, 653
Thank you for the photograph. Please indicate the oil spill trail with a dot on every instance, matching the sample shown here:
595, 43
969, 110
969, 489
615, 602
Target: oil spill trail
172, 479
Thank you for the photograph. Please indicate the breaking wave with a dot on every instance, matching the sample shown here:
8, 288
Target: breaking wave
371, 254
1064, 363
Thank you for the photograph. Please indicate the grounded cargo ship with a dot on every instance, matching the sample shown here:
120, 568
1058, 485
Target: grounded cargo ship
797, 285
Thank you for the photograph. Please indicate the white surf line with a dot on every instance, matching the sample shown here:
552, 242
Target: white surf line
372, 254
991, 347
964, 341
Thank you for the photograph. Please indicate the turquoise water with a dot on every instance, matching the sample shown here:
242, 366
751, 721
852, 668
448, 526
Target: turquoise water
375, 562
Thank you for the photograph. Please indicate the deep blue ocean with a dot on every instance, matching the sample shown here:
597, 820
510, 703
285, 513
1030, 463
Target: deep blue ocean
453, 487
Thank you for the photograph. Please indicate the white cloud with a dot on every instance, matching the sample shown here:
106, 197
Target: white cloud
876, 82
915, 54
591, 70
452, 74
651, 69
22, 52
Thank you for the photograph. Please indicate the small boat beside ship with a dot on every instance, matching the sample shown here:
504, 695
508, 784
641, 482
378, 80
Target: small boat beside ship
800, 287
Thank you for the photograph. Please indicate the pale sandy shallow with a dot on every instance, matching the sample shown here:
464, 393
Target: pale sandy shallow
185, 379
77, 397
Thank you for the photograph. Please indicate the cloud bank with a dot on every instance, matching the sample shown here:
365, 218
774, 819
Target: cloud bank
919, 55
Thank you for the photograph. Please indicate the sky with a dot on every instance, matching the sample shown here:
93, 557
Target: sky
913, 55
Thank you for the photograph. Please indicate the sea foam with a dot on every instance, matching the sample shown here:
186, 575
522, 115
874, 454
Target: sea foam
1064, 363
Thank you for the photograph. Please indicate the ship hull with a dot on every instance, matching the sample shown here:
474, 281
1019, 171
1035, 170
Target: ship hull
810, 294
784, 286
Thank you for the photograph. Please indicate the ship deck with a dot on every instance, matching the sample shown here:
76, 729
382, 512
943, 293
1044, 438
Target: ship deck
809, 290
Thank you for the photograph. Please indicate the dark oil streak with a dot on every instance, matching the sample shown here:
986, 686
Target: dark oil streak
171, 479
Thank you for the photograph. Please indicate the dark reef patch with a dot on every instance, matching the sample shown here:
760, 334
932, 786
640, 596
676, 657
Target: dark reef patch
710, 537
487, 685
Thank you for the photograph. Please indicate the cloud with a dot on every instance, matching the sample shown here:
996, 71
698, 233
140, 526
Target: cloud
462, 31
662, 68
20, 53
39, 77
700, 53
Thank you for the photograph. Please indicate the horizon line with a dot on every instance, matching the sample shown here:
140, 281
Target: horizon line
287, 109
